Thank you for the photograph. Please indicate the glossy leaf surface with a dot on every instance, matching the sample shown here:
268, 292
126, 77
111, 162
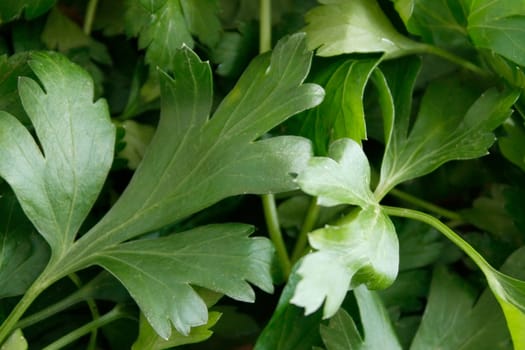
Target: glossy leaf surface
158, 272
337, 26
56, 189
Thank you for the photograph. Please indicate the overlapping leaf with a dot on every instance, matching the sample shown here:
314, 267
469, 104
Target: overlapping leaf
23, 253
451, 124
364, 249
453, 318
196, 161
164, 26
499, 25
341, 114
10, 69
342, 334
339, 26
56, 189
158, 272
12, 9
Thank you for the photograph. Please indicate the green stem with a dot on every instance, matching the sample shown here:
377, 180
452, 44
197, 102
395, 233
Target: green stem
455, 59
111, 316
265, 25
308, 225
272, 223
90, 16
30, 295
95, 314
425, 205
445, 230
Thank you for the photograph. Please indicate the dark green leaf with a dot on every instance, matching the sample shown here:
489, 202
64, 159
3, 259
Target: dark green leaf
10, 69
339, 26
512, 144
23, 253
499, 25
362, 251
162, 30
149, 339
56, 189
158, 272
197, 162
438, 22
342, 334
11, 9
450, 125
289, 328
419, 245
453, 319
341, 114
202, 20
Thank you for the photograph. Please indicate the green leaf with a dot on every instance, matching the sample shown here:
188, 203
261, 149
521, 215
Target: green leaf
342, 334
57, 186
197, 162
149, 339
512, 144
499, 25
158, 272
341, 114
362, 251
23, 253
289, 328
419, 245
162, 30
10, 69
12, 9
456, 319
459, 128
16, 341
202, 20
342, 179
438, 22
63, 34
359, 26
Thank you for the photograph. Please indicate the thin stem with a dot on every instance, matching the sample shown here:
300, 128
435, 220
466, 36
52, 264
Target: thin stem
27, 299
407, 197
111, 316
92, 308
455, 59
90, 16
309, 223
265, 25
272, 223
445, 230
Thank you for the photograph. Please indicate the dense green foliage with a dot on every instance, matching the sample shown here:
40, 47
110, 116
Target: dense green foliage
347, 174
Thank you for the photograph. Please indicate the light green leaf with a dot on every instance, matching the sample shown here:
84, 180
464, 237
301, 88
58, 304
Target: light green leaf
341, 114
158, 272
23, 253
12, 9
456, 319
342, 334
512, 144
342, 179
338, 26
197, 162
136, 140
362, 251
289, 328
56, 189
16, 341
499, 25
149, 339
451, 124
